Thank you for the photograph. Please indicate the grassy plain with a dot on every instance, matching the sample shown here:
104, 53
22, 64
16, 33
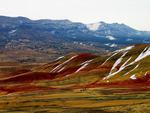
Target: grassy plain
97, 100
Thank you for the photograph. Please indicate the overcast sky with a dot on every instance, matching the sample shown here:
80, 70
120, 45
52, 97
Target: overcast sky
135, 13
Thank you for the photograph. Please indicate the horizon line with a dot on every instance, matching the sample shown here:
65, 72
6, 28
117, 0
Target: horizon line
36, 19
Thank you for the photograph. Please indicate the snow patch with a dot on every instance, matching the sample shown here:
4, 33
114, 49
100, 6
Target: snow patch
124, 65
145, 73
12, 31
114, 66
125, 49
82, 67
109, 58
61, 69
60, 57
87, 62
107, 44
110, 37
111, 45
94, 26
129, 39
133, 77
145, 53
131, 70
84, 64
61, 65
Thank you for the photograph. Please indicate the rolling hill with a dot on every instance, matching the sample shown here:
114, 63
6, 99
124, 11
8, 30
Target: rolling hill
126, 67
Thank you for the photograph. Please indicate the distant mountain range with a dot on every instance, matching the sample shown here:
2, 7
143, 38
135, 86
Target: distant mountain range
64, 36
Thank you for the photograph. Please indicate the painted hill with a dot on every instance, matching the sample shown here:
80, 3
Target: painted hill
127, 67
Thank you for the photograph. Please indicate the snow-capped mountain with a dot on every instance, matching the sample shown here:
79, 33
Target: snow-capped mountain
114, 29
17, 32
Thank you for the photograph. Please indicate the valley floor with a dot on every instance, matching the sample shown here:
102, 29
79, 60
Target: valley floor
98, 100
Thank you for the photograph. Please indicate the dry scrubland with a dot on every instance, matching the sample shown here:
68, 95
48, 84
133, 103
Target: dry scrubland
98, 100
